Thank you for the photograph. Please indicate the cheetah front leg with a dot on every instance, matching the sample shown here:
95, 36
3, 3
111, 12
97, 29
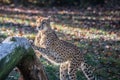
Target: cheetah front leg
41, 51
63, 71
38, 54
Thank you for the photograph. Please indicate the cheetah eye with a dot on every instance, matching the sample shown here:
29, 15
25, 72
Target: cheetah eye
43, 22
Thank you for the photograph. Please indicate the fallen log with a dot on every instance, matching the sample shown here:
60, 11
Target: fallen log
17, 51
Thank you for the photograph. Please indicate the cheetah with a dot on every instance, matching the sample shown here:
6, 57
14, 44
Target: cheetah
60, 52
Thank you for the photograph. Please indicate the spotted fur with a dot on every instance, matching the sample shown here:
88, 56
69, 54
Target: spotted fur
60, 52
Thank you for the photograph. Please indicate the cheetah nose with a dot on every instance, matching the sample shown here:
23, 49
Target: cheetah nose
38, 28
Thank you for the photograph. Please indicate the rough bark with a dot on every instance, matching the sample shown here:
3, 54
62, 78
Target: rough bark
16, 51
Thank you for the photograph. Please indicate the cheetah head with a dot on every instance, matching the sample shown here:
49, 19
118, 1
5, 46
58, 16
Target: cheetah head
43, 23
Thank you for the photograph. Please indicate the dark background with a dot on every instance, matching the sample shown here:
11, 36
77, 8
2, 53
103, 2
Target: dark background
79, 3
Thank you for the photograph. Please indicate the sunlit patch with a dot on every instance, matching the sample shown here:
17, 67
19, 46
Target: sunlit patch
90, 33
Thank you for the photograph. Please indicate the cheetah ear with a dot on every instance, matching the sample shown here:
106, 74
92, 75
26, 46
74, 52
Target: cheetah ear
49, 18
40, 18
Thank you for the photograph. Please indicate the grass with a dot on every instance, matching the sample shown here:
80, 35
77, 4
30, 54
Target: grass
106, 71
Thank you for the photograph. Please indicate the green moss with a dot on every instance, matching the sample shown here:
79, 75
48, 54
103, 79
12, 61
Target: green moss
3, 36
12, 39
11, 60
30, 54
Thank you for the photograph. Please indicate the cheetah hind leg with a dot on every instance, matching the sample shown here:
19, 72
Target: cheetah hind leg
87, 71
